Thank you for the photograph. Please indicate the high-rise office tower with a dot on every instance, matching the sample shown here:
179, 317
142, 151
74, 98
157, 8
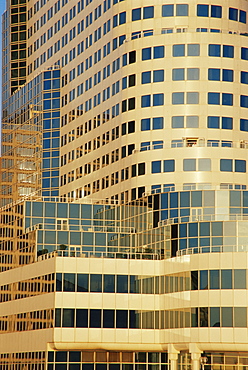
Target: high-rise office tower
124, 200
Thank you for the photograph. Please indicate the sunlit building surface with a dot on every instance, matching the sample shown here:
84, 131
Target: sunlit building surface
124, 199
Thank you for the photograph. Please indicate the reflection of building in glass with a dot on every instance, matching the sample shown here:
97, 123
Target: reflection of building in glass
124, 201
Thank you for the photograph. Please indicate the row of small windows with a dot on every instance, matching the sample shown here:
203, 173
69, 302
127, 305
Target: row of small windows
201, 164
203, 10
135, 319
194, 280
179, 98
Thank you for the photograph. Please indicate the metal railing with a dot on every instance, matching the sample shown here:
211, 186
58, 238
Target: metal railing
212, 249
84, 254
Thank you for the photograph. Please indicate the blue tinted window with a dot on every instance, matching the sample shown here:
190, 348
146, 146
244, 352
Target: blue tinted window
182, 10
156, 166
227, 123
148, 12
179, 50
145, 101
189, 164
244, 53
115, 20
178, 74
202, 10
214, 98
168, 10
233, 14
122, 18
145, 124
157, 123
146, 54
244, 77
227, 99
228, 51
240, 166
227, 75
214, 50
146, 77
158, 99
226, 165
158, 76
216, 11
244, 125
145, 145
244, 101
178, 98
213, 122
242, 16
136, 14
177, 122
214, 74
169, 165
158, 52
158, 144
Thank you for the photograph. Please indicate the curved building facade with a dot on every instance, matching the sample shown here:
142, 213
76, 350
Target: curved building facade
162, 93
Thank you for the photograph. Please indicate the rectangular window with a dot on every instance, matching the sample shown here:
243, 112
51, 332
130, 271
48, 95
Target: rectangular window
192, 98
240, 165
227, 99
226, 279
242, 16
193, 50
178, 74
178, 50
168, 10
214, 50
226, 317
158, 99
193, 74
146, 54
228, 51
213, 122
226, 165
182, 10
244, 77
148, 12
177, 98
189, 164
214, 74
158, 52
244, 53
214, 316
233, 14
214, 98
204, 164
136, 14
244, 101
158, 75
216, 11
202, 10
145, 124
169, 165
145, 101
227, 123
227, 75
157, 123
244, 125
192, 121
156, 167
177, 122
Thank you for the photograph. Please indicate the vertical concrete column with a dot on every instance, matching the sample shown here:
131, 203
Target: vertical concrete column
172, 356
195, 356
